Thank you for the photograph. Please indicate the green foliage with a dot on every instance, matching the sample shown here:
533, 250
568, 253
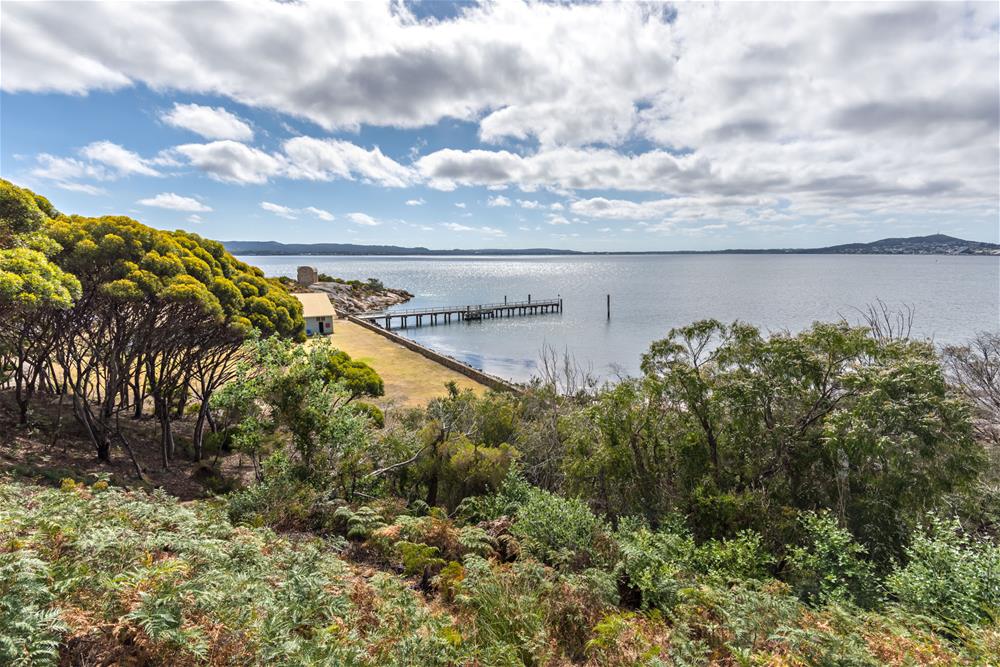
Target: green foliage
653, 563
180, 585
949, 575
733, 429
831, 567
30, 629
419, 558
356, 377
513, 492
372, 412
505, 602
359, 524
559, 531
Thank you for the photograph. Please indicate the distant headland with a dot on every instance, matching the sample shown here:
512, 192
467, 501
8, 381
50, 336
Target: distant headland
934, 244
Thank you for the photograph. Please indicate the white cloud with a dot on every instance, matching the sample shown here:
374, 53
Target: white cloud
857, 109
232, 162
175, 202
499, 200
62, 169
363, 219
460, 204
279, 210
82, 187
528, 203
290, 213
326, 159
209, 122
555, 219
492, 232
195, 218
124, 162
320, 213
415, 202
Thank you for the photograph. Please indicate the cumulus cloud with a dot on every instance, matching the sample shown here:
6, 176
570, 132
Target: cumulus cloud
845, 108
326, 159
415, 202
175, 202
528, 203
363, 219
456, 227
232, 162
101, 160
122, 161
499, 200
209, 122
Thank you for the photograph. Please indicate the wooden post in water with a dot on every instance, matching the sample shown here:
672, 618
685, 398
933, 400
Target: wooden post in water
609, 306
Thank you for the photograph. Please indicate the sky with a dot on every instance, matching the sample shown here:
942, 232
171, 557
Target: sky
617, 126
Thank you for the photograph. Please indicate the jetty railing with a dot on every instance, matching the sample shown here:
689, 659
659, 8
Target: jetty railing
446, 314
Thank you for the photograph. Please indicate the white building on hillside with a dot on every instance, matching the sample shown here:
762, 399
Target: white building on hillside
318, 313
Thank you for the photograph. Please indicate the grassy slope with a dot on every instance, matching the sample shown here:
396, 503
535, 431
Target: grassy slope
410, 379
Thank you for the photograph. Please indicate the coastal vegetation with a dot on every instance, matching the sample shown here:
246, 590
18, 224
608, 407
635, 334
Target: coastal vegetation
828, 497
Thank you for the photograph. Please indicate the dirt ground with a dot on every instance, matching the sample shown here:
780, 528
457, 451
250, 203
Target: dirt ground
410, 379
45, 453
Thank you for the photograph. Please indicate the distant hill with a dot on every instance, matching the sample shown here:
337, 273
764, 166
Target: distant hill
935, 244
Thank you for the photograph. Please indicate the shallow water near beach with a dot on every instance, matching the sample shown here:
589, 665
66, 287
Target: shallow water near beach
953, 297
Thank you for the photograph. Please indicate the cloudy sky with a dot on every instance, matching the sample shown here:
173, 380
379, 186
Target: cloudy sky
510, 124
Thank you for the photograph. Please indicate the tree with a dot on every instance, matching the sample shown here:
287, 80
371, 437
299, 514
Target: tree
33, 291
738, 431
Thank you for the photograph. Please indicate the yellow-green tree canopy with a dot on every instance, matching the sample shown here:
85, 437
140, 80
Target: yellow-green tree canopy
119, 258
28, 279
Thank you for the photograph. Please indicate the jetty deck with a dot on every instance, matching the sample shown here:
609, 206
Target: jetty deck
446, 314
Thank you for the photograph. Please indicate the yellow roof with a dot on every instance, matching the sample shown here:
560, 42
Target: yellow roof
316, 305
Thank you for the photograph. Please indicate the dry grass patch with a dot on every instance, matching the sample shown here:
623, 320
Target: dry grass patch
411, 380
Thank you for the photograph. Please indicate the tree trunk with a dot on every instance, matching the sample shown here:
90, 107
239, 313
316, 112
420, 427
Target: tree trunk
199, 431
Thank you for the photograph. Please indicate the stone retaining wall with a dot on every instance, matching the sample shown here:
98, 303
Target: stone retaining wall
468, 371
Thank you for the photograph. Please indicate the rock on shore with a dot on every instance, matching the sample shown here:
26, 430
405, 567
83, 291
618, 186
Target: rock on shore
354, 299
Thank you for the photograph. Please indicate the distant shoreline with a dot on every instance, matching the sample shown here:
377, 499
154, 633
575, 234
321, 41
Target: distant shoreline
935, 244
574, 253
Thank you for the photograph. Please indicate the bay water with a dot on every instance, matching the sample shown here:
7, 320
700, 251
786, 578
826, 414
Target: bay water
953, 297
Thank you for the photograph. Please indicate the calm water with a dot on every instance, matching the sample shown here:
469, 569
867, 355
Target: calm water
953, 297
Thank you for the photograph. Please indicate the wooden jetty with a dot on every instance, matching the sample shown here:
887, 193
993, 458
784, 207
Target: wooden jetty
445, 314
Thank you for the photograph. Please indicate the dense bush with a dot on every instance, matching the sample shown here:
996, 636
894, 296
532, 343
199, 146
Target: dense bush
562, 532
949, 575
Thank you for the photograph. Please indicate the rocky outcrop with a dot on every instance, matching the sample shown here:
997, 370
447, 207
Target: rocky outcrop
354, 299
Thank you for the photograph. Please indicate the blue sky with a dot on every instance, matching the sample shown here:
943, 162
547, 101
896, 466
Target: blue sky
593, 127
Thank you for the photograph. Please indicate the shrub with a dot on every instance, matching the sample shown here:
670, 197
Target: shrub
372, 411
652, 564
831, 567
508, 617
30, 628
562, 532
740, 558
949, 575
514, 492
